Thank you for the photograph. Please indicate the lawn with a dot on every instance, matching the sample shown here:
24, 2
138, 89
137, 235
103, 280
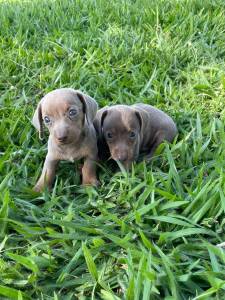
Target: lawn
152, 233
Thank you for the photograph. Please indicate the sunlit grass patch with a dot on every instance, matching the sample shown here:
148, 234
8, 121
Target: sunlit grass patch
149, 234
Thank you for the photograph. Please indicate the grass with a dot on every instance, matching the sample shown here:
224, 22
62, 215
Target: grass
150, 234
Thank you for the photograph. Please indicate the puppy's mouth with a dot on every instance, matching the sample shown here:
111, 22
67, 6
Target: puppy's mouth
67, 141
126, 163
62, 141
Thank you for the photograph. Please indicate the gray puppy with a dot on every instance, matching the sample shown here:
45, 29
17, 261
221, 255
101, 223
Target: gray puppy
124, 132
68, 114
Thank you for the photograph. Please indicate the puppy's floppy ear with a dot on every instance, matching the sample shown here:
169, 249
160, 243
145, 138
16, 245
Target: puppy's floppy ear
99, 120
104, 114
142, 118
90, 106
38, 122
138, 115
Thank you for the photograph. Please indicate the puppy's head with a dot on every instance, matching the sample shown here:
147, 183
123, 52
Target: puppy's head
64, 112
121, 128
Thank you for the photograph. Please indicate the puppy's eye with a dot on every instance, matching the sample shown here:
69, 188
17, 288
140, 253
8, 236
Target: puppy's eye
72, 112
109, 135
47, 120
132, 134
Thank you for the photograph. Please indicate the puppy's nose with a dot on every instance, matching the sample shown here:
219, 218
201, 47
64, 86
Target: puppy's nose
122, 157
62, 138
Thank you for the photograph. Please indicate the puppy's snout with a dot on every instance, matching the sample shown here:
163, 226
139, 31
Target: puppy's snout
62, 138
122, 157
61, 133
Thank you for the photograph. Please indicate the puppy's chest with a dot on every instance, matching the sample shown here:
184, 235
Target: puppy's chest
70, 154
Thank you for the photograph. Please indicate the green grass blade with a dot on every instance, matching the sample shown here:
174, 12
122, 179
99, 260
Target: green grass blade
90, 262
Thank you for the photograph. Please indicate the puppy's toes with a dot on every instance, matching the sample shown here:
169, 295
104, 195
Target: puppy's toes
37, 188
91, 181
96, 183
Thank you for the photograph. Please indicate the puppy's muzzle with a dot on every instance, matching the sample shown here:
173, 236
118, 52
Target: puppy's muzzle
61, 138
122, 156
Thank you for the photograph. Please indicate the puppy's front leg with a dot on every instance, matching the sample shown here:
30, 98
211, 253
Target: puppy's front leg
48, 174
89, 172
160, 137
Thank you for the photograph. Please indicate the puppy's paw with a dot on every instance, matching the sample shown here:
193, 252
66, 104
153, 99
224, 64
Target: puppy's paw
91, 181
38, 188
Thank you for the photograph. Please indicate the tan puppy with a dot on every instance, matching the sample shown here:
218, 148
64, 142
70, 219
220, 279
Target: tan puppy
68, 114
124, 132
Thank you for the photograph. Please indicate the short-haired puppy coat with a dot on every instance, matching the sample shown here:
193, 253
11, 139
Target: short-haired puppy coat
68, 114
124, 132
